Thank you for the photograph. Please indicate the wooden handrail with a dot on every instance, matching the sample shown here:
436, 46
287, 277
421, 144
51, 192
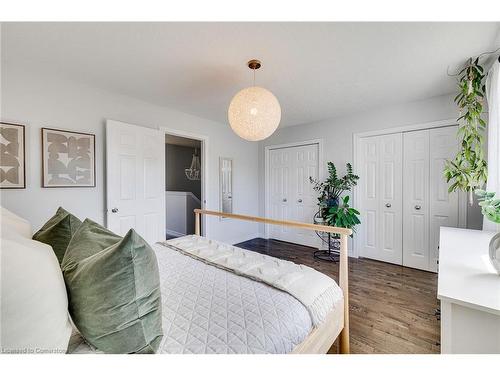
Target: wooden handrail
296, 224
343, 260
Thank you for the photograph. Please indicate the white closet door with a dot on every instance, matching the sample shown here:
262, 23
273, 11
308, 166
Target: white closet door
280, 164
416, 199
380, 193
291, 196
304, 204
390, 205
443, 205
369, 192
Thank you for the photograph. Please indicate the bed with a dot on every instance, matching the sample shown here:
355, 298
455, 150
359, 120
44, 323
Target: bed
209, 309
214, 297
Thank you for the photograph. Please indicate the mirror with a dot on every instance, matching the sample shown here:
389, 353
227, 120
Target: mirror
226, 184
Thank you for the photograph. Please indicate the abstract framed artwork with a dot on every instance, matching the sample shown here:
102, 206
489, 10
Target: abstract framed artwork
68, 158
12, 156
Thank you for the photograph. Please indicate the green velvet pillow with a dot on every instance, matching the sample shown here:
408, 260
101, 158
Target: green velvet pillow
57, 232
113, 289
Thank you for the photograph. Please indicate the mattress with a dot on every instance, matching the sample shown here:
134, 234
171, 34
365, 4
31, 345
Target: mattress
206, 309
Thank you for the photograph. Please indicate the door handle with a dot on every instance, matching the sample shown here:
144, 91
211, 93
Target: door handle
388, 205
114, 210
300, 201
417, 207
284, 199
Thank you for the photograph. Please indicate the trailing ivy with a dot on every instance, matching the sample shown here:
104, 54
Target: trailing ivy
468, 170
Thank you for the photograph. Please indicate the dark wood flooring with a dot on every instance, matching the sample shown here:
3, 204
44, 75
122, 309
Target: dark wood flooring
391, 307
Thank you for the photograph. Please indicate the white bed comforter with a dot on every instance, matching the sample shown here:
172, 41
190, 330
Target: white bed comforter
316, 291
208, 309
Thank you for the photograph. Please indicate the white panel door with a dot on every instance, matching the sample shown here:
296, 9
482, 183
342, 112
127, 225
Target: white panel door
390, 204
443, 205
369, 188
291, 196
280, 165
380, 195
416, 205
135, 176
304, 205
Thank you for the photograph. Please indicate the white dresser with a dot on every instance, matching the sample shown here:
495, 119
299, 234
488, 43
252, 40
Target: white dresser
469, 290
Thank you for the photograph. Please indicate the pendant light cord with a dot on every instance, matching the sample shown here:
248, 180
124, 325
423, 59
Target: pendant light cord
253, 76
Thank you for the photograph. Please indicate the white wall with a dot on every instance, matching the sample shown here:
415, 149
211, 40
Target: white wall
38, 100
338, 135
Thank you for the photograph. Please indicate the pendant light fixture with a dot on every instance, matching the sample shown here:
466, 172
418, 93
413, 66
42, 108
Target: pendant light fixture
194, 171
254, 113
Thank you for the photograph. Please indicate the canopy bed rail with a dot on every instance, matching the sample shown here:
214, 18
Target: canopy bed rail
343, 261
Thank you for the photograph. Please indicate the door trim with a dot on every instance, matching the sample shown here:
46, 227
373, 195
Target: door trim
204, 139
267, 149
356, 137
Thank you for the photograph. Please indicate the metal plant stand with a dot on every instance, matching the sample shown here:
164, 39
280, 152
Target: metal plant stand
333, 243
333, 252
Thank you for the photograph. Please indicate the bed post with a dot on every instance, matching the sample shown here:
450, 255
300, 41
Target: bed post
197, 223
343, 283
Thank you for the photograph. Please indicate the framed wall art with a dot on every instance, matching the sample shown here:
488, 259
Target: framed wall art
12, 156
68, 158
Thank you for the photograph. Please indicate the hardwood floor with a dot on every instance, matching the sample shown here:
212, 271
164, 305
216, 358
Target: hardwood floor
391, 307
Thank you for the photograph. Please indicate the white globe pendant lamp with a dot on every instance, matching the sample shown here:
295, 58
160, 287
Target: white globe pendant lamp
254, 113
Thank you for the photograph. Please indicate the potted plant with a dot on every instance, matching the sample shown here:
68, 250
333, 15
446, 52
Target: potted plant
342, 215
331, 189
490, 208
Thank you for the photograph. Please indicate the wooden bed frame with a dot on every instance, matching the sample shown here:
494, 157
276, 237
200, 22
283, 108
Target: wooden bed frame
322, 337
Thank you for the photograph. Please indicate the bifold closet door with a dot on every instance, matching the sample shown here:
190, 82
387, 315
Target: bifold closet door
427, 205
416, 146
279, 190
381, 189
291, 196
444, 207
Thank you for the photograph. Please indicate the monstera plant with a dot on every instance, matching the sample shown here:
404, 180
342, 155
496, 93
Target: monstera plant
468, 170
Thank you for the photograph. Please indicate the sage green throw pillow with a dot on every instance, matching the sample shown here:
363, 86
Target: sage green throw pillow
57, 232
113, 289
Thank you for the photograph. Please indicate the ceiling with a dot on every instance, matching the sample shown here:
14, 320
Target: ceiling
316, 70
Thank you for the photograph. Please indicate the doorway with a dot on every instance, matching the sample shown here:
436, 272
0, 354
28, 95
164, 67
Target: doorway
184, 182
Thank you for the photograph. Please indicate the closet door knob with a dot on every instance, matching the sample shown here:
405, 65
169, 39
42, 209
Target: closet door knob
114, 210
300, 201
388, 205
284, 199
417, 207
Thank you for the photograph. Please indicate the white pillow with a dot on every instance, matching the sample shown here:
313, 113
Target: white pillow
10, 222
34, 303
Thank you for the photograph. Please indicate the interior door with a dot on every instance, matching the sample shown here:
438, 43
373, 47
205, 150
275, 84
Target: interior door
416, 205
380, 190
390, 204
291, 195
443, 205
304, 205
280, 166
135, 177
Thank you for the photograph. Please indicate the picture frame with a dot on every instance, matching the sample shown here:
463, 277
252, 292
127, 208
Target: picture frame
12, 156
68, 158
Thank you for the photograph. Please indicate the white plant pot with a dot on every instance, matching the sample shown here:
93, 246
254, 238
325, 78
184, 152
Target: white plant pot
495, 252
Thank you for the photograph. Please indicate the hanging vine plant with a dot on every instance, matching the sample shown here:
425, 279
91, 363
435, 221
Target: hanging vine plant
468, 170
